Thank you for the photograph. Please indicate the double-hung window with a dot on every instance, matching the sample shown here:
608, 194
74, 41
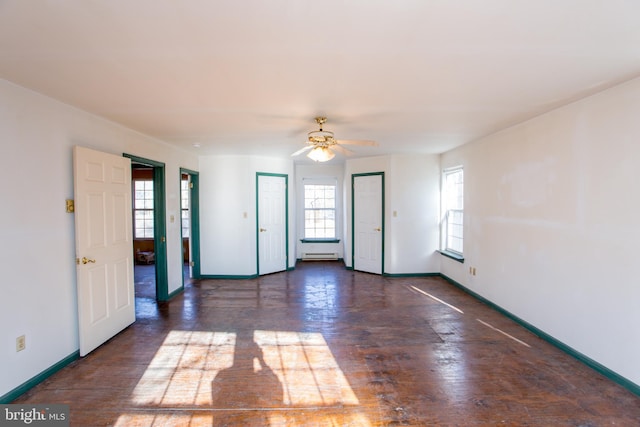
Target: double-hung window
319, 210
453, 210
185, 186
143, 209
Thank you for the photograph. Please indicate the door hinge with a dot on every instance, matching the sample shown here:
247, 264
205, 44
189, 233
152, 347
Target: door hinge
192, 264
191, 185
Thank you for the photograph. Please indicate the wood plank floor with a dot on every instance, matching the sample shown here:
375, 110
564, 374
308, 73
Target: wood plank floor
324, 346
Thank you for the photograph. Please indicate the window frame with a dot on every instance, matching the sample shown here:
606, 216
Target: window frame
451, 209
185, 195
136, 209
325, 183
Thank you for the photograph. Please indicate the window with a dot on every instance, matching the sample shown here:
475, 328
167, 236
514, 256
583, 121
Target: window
184, 208
453, 209
143, 209
319, 211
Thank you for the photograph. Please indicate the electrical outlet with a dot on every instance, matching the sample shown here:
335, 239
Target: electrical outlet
21, 343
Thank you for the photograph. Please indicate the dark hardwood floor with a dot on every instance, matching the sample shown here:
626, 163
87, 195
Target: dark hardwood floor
324, 346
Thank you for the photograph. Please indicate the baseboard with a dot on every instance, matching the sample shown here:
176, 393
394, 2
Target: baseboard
400, 275
324, 260
598, 367
20, 390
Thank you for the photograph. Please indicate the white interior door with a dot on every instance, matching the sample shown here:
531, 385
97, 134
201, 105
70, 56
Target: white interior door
272, 227
104, 246
367, 223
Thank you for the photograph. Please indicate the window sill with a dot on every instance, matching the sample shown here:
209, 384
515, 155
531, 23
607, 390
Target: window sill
454, 256
320, 240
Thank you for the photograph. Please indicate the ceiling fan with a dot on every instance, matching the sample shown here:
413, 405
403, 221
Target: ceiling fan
323, 144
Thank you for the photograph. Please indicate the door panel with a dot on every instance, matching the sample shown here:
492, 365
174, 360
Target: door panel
367, 223
272, 227
104, 246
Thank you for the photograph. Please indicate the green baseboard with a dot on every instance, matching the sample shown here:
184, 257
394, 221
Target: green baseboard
400, 275
613, 376
20, 390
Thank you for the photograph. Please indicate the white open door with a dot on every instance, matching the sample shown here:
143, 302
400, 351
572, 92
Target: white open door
272, 223
104, 246
367, 223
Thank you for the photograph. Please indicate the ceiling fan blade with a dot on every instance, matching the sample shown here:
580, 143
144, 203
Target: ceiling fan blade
341, 150
302, 150
357, 142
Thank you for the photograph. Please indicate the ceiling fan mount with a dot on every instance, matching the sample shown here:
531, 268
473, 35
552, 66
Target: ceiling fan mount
321, 136
322, 143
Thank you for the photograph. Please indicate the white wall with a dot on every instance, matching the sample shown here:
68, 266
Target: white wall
228, 212
412, 186
551, 224
319, 171
37, 255
413, 206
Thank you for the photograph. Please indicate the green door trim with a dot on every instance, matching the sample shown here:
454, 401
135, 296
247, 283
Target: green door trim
194, 195
286, 217
159, 224
353, 246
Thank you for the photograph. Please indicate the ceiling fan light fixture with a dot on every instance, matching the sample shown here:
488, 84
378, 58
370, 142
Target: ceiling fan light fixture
321, 154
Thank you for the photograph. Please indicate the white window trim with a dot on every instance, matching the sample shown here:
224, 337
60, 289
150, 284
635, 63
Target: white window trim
444, 232
338, 221
152, 210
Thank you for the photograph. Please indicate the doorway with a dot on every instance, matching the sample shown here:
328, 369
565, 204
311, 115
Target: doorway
149, 228
367, 192
190, 228
272, 222
102, 192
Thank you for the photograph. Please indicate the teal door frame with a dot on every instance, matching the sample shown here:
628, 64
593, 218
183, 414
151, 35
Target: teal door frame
194, 218
159, 224
353, 246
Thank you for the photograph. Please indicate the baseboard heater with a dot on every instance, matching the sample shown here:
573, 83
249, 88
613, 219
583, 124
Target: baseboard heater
319, 256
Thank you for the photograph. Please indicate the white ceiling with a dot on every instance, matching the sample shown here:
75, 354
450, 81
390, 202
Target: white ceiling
249, 76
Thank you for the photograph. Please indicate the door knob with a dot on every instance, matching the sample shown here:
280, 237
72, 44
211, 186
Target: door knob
86, 260
262, 230
378, 229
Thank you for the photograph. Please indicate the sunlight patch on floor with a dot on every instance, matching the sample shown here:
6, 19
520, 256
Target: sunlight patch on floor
184, 367
197, 375
306, 368
504, 333
436, 299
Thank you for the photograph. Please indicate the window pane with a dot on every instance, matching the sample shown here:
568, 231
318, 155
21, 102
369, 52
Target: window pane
453, 205
319, 215
143, 208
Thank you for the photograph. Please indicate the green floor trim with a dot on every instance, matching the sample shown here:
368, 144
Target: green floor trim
20, 390
400, 275
319, 260
598, 367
